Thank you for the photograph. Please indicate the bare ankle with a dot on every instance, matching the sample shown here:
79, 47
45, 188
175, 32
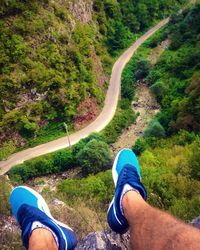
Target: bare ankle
132, 201
42, 239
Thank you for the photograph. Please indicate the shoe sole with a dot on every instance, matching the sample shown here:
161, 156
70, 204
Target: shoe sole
114, 210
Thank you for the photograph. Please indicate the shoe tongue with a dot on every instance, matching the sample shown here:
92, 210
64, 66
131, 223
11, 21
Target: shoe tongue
129, 175
24, 216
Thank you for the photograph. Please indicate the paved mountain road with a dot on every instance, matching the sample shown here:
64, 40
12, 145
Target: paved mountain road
97, 125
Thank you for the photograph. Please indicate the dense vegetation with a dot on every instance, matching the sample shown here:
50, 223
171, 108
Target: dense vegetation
50, 56
138, 68
169, 156
167, 174
174, 80
46, 72
170, 166
91, 154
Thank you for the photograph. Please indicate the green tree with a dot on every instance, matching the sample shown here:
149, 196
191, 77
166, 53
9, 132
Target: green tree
140, 146
155, 129
142, 69
119, 36
94, 157
159, 90
112, 8
188, 116
27, 127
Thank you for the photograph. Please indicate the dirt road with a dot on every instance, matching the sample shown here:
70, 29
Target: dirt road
97, 125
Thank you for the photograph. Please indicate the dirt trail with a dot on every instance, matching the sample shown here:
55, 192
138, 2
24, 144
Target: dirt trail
147, 106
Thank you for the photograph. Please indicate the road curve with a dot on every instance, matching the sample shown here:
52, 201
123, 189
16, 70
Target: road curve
97, 125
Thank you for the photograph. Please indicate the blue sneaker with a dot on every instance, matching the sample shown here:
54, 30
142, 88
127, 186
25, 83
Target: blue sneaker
126, 170
29, 206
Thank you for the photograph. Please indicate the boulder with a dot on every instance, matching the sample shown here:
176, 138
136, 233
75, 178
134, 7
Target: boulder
105, 240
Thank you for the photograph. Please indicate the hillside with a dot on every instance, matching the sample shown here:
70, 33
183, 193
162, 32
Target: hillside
55, 62
77, 182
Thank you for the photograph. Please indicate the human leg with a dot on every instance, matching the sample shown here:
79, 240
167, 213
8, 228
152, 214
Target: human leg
150, 228
36, 222
42, 239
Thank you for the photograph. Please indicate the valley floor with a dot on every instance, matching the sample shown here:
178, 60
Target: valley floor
147, 107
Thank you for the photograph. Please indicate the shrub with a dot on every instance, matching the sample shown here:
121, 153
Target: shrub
142, 69
140, 146
7, 149
94, 157
63, 160
155, 129
184, 137
122, 119
27, 127
98, 187
128, 89
154, 75
5, 189
43, 165
186, 209
159, 90
194, 160
119, 36
81, 144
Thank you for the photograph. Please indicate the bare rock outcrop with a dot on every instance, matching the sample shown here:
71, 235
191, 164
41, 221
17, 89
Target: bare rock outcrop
82, 10
196, 222
106, 240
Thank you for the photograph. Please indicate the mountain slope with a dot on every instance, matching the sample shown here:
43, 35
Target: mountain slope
102, 120
55, 60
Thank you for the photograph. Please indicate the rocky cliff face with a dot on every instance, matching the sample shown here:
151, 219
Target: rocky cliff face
109, 240
81, 10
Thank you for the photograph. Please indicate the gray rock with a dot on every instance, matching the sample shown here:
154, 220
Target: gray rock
106, 240
196, 222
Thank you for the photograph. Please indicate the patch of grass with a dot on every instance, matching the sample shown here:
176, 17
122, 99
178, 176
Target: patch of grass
7, 149
81, 218
123, 118
52, 131
5, 189
10, 240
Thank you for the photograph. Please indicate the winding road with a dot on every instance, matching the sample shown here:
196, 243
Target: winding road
97, 125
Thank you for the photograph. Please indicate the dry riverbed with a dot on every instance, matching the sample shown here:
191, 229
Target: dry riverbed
147, 107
